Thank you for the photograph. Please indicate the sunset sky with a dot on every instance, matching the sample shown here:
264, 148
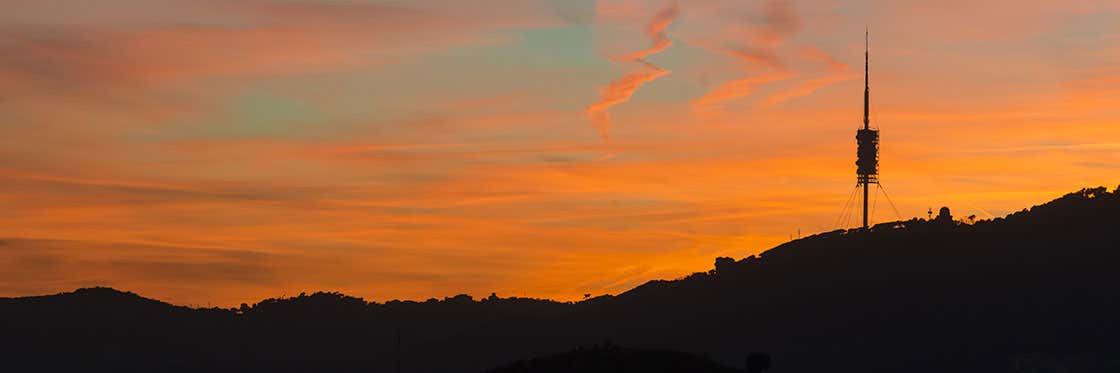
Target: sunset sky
224, 151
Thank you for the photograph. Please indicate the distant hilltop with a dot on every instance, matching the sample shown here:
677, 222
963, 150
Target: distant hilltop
1037, 290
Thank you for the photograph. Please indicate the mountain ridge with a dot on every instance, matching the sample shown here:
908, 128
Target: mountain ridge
780, 249
915, 295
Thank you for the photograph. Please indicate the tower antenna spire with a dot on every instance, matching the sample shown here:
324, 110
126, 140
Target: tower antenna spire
866, 78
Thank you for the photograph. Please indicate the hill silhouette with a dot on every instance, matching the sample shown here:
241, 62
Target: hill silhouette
613, 359
1035, 291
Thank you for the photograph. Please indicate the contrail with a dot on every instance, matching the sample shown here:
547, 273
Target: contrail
622, 89
618, 92
655, 30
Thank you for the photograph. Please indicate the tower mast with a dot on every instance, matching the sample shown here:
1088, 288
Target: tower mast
866, 106
866, 79
867, 161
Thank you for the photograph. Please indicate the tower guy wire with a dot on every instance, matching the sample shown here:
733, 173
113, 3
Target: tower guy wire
840, 220
896, 213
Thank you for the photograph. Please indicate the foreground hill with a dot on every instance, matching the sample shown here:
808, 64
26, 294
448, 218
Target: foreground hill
613, 359
1038, 290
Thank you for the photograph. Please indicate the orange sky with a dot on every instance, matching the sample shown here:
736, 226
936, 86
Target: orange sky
218, 152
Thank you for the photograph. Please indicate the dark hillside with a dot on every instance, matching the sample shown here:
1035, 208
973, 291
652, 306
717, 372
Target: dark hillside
613, 359
1038, 290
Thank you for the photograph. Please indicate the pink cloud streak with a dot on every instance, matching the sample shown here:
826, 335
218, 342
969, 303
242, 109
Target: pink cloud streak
623, 89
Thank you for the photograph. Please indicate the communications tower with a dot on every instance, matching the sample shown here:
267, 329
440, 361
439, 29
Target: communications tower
867, 139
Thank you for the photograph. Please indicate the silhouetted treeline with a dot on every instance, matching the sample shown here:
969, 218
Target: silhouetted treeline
1038, 290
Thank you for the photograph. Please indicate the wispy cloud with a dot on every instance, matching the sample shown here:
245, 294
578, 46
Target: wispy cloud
736, 89
623, 89
235, 39
655, 30
778, 22
835, 72
618, 92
